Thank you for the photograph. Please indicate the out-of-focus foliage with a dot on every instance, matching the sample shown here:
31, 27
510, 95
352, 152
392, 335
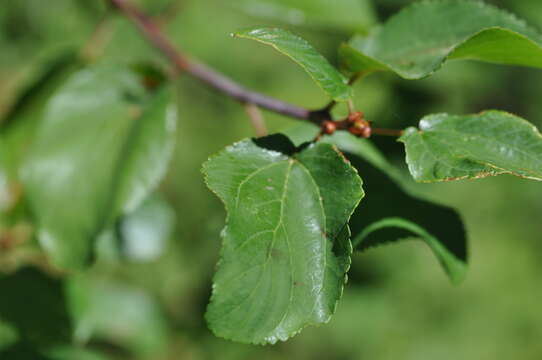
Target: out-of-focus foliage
396, 304
344, 15
102, 145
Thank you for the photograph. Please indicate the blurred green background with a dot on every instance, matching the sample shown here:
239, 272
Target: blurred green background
398, 303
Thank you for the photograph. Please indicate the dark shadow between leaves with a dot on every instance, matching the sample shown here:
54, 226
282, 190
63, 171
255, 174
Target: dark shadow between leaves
35, 305
280, 143
386, 199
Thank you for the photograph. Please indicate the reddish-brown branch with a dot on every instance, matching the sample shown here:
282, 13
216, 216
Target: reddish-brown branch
222, 83
387, 132
204, 73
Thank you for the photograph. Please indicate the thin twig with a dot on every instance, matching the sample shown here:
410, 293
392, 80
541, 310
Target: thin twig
350, 106
387, 132
256, 119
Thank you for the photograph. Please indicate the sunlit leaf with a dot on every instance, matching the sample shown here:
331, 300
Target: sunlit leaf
419, 39
286, 245
453, 147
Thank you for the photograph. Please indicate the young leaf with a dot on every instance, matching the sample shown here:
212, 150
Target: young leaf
409, 215
102, 147
418, 40
453, 147
299, 50
286, 245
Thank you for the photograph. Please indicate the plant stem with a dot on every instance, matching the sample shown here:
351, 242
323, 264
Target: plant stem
387, 132
204, 73
220, 82
256, 119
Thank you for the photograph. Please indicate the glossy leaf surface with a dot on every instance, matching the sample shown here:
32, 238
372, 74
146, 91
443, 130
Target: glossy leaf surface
299, 50
419, 39
453, 147
286, 246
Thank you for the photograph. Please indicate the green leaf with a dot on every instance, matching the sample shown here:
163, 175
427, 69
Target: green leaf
419, 39
299, 50
453, 147
347, 15
116, 313
410, 215
286, 247
103, 145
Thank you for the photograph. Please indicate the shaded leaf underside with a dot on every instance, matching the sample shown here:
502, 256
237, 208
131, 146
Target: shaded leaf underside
396, 229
